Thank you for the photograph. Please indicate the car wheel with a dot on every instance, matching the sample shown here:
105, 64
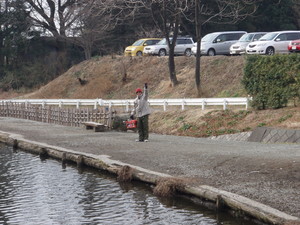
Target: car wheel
211, 52
188, 52
139, 53
270, 51
162, 52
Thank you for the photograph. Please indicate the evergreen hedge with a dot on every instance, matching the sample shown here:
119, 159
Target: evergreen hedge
272, 81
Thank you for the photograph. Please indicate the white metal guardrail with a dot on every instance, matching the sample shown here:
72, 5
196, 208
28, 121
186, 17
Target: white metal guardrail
203, 102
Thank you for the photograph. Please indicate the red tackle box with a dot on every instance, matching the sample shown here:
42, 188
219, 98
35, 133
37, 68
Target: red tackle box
131, 124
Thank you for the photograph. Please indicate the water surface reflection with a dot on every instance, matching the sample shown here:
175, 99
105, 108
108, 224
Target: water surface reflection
34, 192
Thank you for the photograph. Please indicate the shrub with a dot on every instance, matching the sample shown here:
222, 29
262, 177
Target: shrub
272, 80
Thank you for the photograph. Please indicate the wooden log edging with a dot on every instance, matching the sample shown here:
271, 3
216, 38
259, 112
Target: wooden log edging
236, 202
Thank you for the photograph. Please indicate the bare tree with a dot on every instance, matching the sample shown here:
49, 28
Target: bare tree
54, 16
221, 12
82, 22
95, 21
166, 14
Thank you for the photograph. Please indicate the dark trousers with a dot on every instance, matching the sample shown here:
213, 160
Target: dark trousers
143, 127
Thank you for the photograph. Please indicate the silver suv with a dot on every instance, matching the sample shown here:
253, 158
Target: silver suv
183, 47
218, 43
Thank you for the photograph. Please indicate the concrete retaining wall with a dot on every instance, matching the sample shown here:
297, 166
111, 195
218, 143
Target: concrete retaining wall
274, 135
263, 134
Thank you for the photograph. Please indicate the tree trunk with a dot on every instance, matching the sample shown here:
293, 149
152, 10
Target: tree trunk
87, 51
172, 69
172, 45
198, 37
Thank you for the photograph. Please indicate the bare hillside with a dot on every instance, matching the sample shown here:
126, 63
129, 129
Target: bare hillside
117, 78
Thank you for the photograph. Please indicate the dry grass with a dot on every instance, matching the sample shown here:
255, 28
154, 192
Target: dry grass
104, 78
166, 187
125, 174
198, 123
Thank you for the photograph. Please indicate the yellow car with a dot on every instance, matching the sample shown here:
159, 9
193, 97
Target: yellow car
136, 49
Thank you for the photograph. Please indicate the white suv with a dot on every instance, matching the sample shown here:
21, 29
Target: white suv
183, 47
274, 42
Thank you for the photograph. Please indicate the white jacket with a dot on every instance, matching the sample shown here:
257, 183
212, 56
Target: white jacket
141, 105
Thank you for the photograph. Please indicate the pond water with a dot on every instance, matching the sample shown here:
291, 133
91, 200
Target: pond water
35, 191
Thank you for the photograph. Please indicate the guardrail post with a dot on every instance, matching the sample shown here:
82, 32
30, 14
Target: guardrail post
100, 102
182, 105
77, 104
95, 104
165, 105
247, 102
60, 104
127, 106
203, 104
224, 104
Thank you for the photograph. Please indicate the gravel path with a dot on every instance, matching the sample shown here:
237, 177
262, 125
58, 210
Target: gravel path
267, 173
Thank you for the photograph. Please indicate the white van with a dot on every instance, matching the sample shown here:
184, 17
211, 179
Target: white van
218, 43
274, 42
239, 47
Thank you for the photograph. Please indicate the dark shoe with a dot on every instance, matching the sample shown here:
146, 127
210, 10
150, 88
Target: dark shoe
137, 140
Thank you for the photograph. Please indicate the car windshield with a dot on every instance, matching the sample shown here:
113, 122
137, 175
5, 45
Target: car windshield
138, 43
208, 37
268, 37
246, 38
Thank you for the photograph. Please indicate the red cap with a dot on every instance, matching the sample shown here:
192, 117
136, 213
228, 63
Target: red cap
138, 90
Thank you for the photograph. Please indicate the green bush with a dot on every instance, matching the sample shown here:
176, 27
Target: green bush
272, 80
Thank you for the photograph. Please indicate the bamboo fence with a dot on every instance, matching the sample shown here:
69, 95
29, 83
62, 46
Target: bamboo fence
68, 116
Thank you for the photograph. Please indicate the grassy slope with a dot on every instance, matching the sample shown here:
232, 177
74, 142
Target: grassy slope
220, 77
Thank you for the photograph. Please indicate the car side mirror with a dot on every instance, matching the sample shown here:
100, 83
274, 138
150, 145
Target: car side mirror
145, 44
278, 39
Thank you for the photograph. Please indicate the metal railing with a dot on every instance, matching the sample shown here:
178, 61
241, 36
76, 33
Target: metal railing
202, 102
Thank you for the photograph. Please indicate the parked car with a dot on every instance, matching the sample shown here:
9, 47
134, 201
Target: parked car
183, 47
136, 49
239, 47
294, 46
273, 42
218, 43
